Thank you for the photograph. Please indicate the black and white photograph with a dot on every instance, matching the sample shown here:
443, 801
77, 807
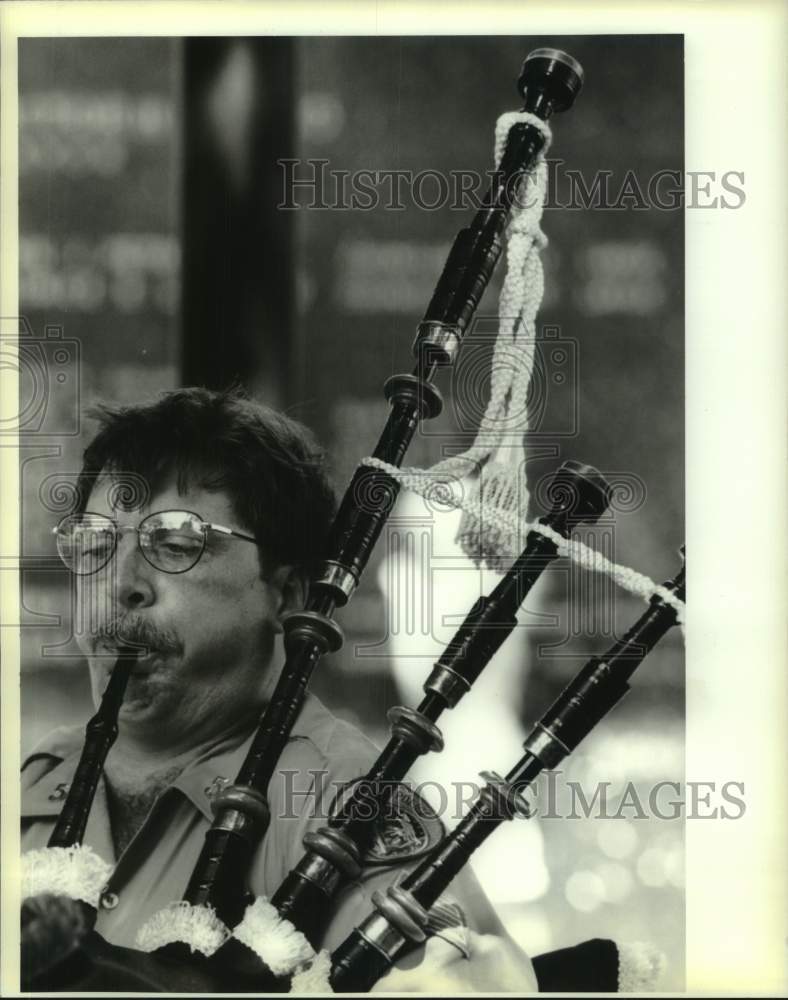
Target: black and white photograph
354, 448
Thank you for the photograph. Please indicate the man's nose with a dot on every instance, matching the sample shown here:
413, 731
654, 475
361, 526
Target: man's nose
132, 574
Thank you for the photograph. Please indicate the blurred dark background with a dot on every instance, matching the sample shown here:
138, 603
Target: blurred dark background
154, 252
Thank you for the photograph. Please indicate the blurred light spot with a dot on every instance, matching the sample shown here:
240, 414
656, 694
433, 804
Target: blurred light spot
229, 107
530, 927
127, 293
617, 838
674, 867
497, 863
584, 891
321, 116
305, 289
671, 839
617, 879
153, 117
642, 755
651, 867
85, 290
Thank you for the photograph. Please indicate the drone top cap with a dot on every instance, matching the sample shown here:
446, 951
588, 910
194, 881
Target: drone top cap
550, 81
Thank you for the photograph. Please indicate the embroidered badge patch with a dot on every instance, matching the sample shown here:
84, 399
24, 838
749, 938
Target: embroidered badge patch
408, 828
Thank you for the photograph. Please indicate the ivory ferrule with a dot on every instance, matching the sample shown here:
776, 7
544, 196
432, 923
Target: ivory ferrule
545, 745
382, 935
447, 683
338, 578
441, 339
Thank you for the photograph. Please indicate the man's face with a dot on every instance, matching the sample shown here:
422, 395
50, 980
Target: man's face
210, 630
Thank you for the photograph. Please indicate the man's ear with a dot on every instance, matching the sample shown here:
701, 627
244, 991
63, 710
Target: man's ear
292, 587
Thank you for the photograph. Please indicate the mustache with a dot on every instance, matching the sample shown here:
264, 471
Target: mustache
135, 631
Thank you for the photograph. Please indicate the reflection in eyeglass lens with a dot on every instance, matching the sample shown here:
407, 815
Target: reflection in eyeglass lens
172, 541
87, 543
174, 547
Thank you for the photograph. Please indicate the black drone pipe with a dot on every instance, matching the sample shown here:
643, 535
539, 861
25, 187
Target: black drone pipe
400, 914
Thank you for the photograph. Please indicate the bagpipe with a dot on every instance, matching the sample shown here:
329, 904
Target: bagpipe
218, 938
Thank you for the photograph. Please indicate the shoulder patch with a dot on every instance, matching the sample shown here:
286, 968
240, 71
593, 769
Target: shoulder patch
409, 828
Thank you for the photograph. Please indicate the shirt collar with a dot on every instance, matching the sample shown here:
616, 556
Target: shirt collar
203, 779
45, 798
199, 781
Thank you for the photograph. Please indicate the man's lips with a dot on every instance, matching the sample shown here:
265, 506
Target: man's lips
141, 651
146, 664
143, 665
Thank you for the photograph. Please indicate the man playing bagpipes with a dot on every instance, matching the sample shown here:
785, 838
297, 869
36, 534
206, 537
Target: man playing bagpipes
198, 523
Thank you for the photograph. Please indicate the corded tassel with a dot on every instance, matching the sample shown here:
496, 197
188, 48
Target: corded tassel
495, 484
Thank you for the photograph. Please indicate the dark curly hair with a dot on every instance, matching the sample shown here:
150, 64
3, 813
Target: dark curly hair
270, 466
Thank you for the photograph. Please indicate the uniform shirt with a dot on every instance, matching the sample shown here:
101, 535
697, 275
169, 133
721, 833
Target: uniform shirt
155, 867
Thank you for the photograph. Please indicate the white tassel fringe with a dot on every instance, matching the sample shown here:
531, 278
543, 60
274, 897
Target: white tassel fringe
182, 923
481, 538
640, 967
77, 872
314, 978
273, 939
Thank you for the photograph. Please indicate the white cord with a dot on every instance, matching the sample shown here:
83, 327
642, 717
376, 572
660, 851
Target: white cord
509, 525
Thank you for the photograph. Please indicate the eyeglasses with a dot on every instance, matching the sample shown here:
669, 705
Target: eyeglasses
170, 540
